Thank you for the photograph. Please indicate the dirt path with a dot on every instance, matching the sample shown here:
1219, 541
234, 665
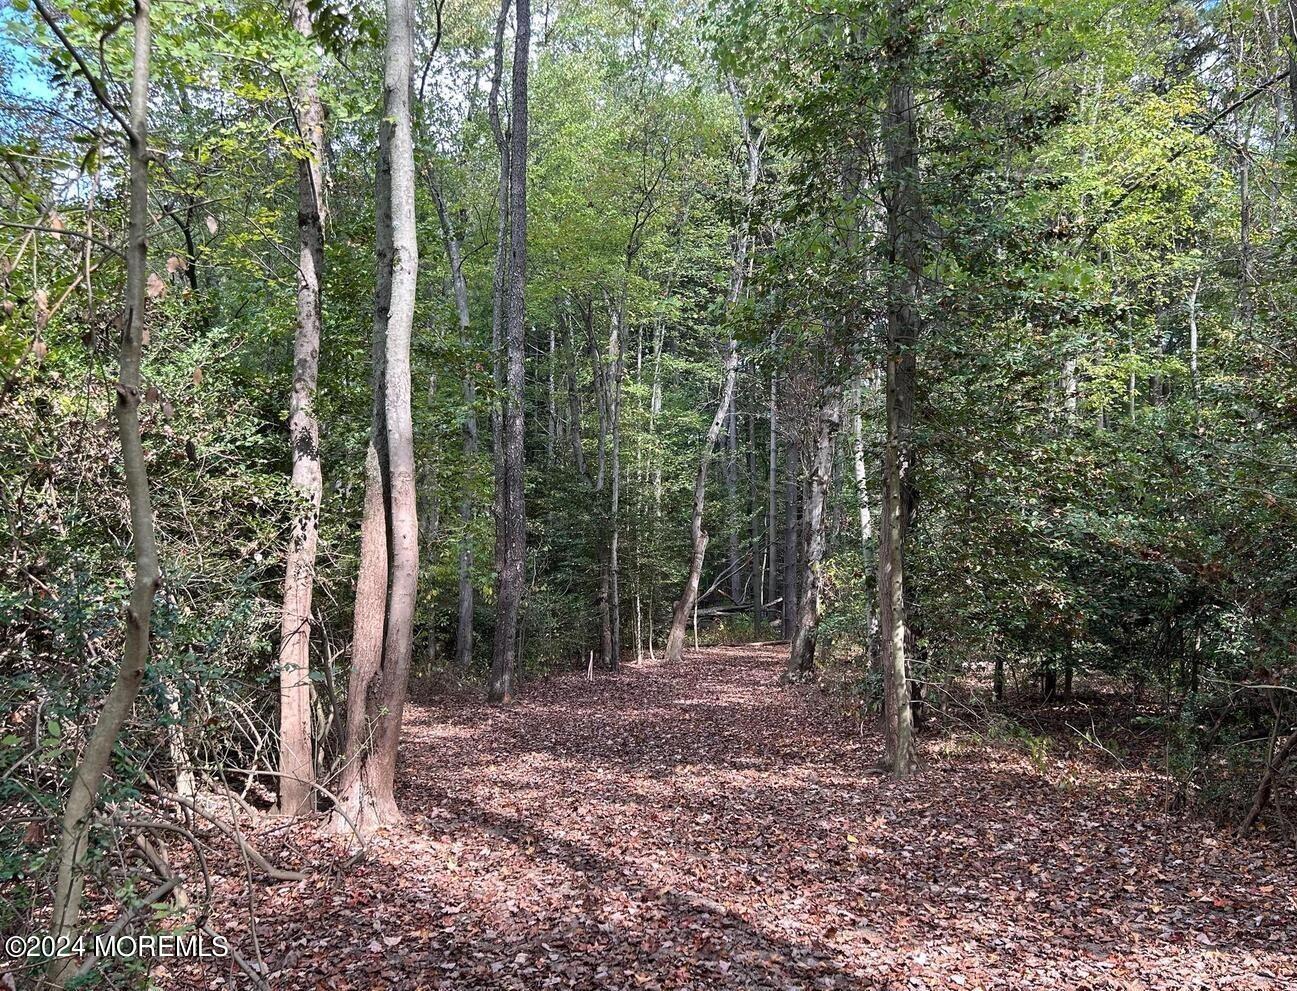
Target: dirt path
701, 827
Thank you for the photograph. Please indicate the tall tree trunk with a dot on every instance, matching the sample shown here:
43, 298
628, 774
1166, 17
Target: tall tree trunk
389, 536
731, 475
90, 770
684, 606
512, 524
459, 285
575, 436
551, 427
772, 498
688, 601
1194, 375
801, 655
861, 475
613, 659
296, 764
792, 530
754, 528
904, 223
499, 290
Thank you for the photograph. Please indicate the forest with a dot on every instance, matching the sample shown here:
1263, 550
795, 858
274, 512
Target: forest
667, 494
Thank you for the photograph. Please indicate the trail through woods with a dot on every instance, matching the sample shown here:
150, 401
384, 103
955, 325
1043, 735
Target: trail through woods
701, 827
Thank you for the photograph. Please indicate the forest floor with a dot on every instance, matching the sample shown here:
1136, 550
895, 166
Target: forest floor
703, 827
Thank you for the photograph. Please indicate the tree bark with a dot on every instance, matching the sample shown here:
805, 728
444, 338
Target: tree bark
862, 494
403, 535
801, 656
792, 530
772, 498
904, 222
296, 763
754, 528
389, 536
731, 476
464, 612
90, 770
499, 289
512, 523
684, 606
613, 659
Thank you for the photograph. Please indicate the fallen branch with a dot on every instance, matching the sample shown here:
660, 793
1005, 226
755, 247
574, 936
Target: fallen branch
1262, 798
156, 895
248, 850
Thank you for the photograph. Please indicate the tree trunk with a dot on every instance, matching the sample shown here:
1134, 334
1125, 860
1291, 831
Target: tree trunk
687, 603
575, 436
551, 427
1194, 375
464, 611
296, 764
792, 530
385, 595
861, 475
754, 529
801, 656
904, 223
512, 523
731, 476
89, 773
772, 498
499, 292
684, 606
613, 659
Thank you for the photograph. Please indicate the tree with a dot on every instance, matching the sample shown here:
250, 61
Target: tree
511, 519
90, 770
801, 655
383, 636
686, 603
296, 758
904, 224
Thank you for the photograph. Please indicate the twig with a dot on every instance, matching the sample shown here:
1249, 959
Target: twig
156, 895
251, 852
100, 94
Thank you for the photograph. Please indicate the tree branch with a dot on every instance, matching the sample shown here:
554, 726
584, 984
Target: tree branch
100, 93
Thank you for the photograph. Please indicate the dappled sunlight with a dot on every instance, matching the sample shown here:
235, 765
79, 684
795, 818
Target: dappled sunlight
711, 843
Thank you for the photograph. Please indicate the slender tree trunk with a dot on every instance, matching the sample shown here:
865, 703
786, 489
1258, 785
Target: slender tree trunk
512, 523
792, 530
655, 411
296, 764
464, 612
499, 292
897, 712
551, 431
731, 476
904, 222
90, 770
772, 498
605, 617
614, 516
684, 606
1194, 375
801, 656
858, 461
574, 408
1071, 389
389, 538
754, 528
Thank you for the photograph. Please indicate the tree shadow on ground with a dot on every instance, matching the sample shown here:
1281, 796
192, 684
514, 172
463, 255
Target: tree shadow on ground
700, 827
